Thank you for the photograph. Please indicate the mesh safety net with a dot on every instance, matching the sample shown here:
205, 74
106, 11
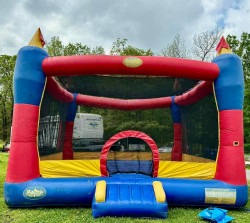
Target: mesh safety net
157, 123
199, 121
126, 87
51, 125
200, 128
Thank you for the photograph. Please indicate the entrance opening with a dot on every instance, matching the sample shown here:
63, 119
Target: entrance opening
129, 155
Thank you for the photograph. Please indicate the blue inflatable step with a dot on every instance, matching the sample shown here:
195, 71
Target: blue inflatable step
134, 200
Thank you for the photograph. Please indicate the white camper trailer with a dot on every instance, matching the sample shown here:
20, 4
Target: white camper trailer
88, 126
88, 132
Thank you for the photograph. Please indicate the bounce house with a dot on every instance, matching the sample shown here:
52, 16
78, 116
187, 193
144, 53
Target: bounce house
192, 155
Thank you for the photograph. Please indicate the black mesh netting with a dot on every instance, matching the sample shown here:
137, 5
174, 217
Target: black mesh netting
200, 128
126, 87
157, 123
51, 125
130, 155
199, 121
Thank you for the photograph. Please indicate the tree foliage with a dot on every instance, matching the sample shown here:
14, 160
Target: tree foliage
121, 48
204, 44
177, 48
56, 48
203, 48
241, 47
7, 64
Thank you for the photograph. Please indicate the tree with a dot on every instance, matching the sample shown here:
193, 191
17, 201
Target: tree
121, 48
247, 116
56, 48
241, 47
7, 64
177, 48
205, 43
76, 49
98, 50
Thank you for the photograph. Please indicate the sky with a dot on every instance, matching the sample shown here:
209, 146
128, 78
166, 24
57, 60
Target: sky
147, 24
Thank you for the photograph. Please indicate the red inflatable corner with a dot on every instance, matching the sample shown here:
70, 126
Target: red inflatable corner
68, 147
230, 162
23, 160
176, 154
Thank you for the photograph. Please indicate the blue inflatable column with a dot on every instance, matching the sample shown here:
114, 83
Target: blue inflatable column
229, 92
29, 82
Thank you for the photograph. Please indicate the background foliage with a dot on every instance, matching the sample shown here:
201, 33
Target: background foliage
201, 49
241, 47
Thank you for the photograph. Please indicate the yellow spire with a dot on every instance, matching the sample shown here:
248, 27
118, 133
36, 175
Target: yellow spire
37, 40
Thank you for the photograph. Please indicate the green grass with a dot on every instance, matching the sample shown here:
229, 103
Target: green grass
83, 215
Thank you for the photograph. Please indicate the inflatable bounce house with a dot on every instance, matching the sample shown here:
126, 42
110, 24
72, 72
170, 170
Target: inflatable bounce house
181, 142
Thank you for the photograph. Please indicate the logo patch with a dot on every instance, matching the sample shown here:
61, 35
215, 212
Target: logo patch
34, 193
132, 62
220, 196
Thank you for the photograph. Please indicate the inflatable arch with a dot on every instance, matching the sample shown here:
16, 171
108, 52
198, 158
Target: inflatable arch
125, 194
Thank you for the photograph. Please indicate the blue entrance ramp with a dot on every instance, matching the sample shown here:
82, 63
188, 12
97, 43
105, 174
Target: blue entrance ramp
129, 199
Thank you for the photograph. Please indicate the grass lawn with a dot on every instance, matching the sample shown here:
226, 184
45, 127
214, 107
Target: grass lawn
75, 215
